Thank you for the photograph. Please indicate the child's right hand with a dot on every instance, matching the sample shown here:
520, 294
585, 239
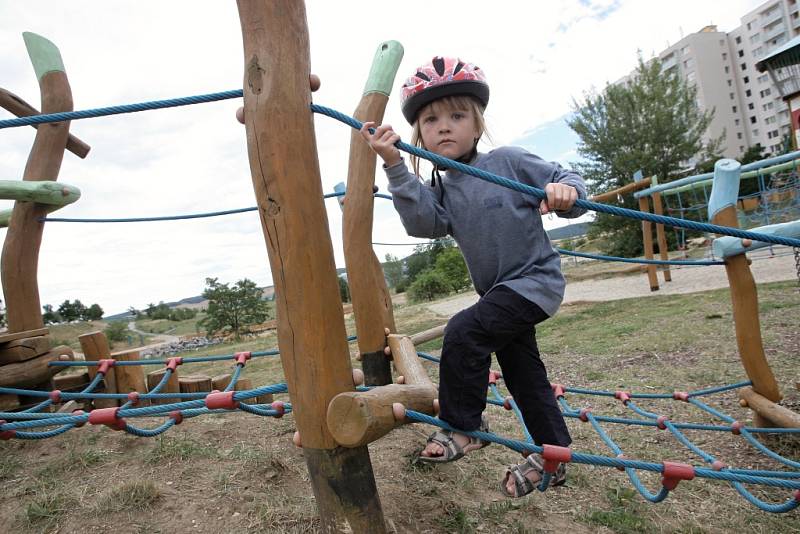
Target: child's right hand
382, 142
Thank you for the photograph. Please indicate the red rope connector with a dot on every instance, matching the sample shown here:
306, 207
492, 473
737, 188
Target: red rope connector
718, 466
217, 400
55, 396
493, 376
133, 397
177, 416
173, 363
108, 417
584, 415
661, 421
242, 357
621, 457
507, 403
624, 396
279, 407
736, 427
554, 455
558, 390
104, 366
674, 472
797, 495
79, 413
681, 395
6, 434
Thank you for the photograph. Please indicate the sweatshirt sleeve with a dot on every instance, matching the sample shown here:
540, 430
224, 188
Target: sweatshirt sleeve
533, 170
420, 212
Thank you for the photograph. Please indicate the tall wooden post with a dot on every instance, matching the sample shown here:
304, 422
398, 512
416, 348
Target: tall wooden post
372, 303
311, 333
19, 263
722, 211
663, 249
647, 236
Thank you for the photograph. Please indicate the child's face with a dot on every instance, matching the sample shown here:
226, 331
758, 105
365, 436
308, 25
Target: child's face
447, 131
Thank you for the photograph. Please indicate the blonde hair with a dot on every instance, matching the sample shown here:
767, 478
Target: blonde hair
449, 103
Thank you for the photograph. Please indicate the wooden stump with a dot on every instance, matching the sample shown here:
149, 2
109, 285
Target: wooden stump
172, 386
71, 382
130, 377
195, 383
95, 347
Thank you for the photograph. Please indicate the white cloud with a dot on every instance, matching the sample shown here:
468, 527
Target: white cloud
538, 57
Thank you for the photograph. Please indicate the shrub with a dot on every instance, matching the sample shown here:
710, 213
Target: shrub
429, 285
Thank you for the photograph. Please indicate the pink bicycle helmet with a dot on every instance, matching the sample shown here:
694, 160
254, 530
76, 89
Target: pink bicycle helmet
443, 76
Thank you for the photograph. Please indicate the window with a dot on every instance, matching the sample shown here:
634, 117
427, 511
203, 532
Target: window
727, 69
755, 133
738, 135
748, 28
741, 149
744, 66
688, 64
768, 106
746, 79
685, 50
730, 83
724, 56
754, 38
732, 96
763, 78
750, 106
753, 120
734, 109
741, 53
766, 92
722, 42
738, 40
770, 120
736, 122
758, 52
748, 93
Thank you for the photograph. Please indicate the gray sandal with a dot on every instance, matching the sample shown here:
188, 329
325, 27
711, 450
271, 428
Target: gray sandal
452, 450
523, 486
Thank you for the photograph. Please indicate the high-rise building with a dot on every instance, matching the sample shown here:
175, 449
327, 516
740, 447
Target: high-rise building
747, 107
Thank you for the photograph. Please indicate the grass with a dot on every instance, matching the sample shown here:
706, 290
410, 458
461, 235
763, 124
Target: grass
130, 496
175, 328
46, 509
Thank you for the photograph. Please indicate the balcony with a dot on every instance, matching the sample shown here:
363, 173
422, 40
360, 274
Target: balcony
774, 32
771, 18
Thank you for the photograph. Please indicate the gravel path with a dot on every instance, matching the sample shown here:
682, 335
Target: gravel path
684, 280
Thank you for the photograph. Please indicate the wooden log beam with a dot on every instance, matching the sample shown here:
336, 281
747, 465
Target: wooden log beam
13, 336
130, 377
194, 383
644, 183
407, 362
663, 249
41, 192
94, 346
427, 335
172, 386
71, 382
16, 105
8, 402
36, 370
774, 413
744, 296
372, 303
19, 263
23, 349
647, 237
286, 178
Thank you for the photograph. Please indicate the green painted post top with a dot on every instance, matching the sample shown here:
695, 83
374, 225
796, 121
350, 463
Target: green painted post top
41, 192
44, 55
384, 68
725, 189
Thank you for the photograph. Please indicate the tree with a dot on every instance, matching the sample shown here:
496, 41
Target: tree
393, 270
651, 123
117, 331
49, 316
72, 311
94, 313
450, 263
429, 285
344, 289
233, 308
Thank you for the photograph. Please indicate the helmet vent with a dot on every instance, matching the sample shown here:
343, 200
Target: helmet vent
438, 64
458, 67
423, 76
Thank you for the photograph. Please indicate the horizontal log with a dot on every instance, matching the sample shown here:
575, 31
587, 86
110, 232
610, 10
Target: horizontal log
11, 336
778, 415
406, 360
427, 335
8, 402
72, 381
36, 370
628, 188
23, 349
195, 383
356, 418
41, 192
172, 386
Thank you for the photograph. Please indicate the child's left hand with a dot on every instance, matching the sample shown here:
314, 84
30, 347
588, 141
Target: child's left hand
560, 197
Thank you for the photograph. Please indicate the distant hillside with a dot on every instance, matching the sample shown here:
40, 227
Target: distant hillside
571, 230
198, 303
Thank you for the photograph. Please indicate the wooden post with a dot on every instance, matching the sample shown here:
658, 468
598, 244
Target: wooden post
372, 303
663, 249
172, 386
130, 377
647, 237
20, 256
744, 297
195, 383
95, 347
311, 333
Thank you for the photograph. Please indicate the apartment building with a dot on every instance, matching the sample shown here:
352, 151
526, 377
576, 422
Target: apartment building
748, 107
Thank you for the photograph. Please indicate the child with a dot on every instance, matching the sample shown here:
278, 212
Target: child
513, 266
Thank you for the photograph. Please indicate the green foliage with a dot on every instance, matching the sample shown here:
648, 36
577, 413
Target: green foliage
49, 316
393, 270
652, 124
233, 308
428, 286
71, 311
94, 313
344, 289
162, 311
2, 314
450, 263
117, 331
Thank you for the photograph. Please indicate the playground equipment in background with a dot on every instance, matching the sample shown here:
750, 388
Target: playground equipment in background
311, 330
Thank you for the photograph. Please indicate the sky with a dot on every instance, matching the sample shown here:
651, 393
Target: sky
539, 58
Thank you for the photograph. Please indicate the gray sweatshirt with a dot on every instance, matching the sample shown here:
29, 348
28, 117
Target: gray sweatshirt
498, 230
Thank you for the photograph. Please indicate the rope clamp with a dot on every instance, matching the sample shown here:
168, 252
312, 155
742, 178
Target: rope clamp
584, 415
6, 434
797, 495
55, 396
242, 357
553, 455
681, 395
507, 402
662, 422
78, 413
493, 376
173, 363
624, 396
280, 409
674, 472
177, 416
104, 366
621, 457
217, 400
133, 398
736, 427
718, 465
108, 417
558, 390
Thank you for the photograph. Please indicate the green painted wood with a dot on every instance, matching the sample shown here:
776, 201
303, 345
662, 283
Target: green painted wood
725, 191
44, 55
384, 68
5, 216
781, 167
43, 192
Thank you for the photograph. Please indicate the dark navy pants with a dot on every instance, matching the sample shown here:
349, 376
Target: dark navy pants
503, 322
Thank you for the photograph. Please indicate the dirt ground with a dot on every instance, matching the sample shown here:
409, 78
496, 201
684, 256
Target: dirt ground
685, 279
